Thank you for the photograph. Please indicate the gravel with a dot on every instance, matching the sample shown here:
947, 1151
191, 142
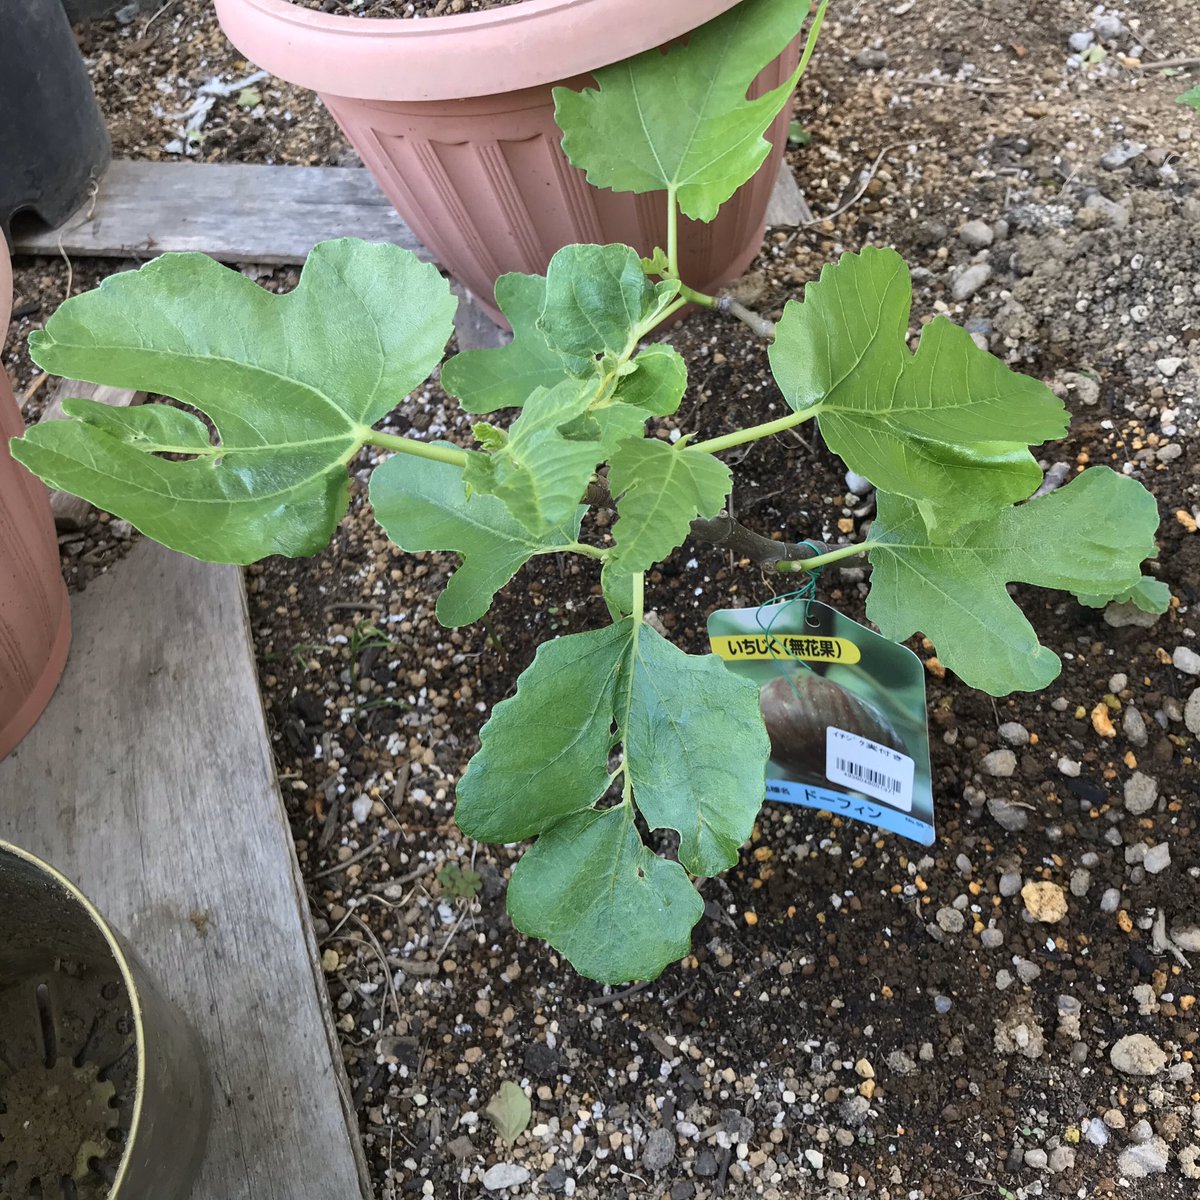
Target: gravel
1186, 660
1158, 858
1141, 793
1191, 713
1137, 1054
969, 281
1139, 1161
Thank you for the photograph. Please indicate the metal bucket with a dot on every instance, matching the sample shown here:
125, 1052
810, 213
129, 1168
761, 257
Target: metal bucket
103, 1090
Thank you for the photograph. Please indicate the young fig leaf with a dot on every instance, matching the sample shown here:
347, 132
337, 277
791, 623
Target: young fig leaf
289, 412
660, 489
1089, 538
948, 427
423, 505
657, 381
680, 121
540, 472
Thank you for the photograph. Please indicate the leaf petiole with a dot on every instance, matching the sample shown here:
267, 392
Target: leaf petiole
754, 432
672, 234
403, 445
820, 560
583, 548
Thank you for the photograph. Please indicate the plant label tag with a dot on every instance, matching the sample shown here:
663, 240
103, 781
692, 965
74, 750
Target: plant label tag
845, 710
879, 771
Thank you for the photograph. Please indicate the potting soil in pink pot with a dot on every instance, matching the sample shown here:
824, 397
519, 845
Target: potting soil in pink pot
455, 119
35, 618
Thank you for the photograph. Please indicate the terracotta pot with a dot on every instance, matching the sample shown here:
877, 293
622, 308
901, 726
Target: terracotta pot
35, 618
455, 119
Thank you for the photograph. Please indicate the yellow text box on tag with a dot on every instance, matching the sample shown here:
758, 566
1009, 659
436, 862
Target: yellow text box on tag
743, 646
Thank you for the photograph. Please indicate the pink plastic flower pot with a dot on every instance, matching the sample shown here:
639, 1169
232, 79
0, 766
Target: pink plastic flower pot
454, 118
35, 618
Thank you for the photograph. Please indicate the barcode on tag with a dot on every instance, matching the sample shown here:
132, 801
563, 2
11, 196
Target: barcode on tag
867, 767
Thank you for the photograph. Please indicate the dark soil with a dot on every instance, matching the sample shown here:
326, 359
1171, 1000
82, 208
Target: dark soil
859, 1017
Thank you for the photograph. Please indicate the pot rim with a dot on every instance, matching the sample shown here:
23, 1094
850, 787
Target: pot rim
524, 45
135, 997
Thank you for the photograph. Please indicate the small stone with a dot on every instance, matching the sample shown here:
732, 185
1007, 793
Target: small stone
1075, 386
1111, 900
871, 59
1136, 1162
863, 1069
1137, 1054
1107, 27
1045, 901
1191, 713
1141, 792
1081, 880
900, 1063
1121, 155
969, 281
1010, 883
1114, 1118
1079, 42
1133, 726
1070, 767
942, 1005
1014, 733
659, 1151
505, 1175
1119, 616
837, 1179
706, 1163
1027, 971
1186, 660
1036, 1158
1006, 814
857, 484
1189, 1162
1000, 763
991, 939
950, 920
1096, 1133
816, 1159
1141, 1132
1062, 1158
1169, 453
1187, 937
1158, 859
1168, 366
1019, 1033
976, 234
1116, 214
361, 808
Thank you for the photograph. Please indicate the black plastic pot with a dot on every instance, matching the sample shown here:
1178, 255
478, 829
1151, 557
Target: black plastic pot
53, 143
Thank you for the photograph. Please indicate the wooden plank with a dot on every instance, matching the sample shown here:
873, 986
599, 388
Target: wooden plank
236, 212
787, 205
149, 781
71, 512
242, 213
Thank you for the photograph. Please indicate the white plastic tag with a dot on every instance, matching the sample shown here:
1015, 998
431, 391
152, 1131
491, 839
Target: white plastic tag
874, 770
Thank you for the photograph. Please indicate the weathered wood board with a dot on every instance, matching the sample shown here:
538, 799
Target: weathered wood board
149, 781
237, 212
787, 205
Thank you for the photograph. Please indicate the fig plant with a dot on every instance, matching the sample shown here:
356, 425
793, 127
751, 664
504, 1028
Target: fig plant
613, 731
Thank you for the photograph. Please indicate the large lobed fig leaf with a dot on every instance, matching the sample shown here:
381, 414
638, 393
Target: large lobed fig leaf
680, 121
291, 383
948, 427
695, 753
1090, 538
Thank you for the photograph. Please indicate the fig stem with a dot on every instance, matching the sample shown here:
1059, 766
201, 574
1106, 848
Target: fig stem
820, 560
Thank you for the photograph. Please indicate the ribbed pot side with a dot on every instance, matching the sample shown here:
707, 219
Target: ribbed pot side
454, 117
35, 617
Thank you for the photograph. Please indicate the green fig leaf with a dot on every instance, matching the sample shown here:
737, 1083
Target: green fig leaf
679, 121
423, 505
694, 760
485, 380
1089, 538
510, 1111
657, 381
599, 896
291, 404
1150, 595
948, 427
541, 472
660, 490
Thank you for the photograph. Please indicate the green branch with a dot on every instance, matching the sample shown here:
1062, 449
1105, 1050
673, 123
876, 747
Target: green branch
741, 436
820, 560
672, 234
403, 445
